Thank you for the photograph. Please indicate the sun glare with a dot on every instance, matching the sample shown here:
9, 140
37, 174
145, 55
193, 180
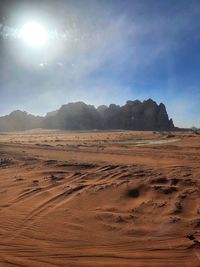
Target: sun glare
34, 34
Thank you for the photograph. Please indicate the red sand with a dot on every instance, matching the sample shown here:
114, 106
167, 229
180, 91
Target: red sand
89, 199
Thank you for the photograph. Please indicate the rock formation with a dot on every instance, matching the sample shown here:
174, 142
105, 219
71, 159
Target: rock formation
134, 115
19, 121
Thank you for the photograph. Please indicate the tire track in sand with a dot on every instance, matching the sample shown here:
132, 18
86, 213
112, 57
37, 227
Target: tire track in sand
44, 209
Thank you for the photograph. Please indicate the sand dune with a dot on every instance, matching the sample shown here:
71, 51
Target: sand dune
86, 199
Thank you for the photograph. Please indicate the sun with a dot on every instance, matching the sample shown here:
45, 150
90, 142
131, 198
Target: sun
34, 34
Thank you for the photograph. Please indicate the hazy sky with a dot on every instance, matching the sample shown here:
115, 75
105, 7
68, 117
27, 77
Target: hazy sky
102, 52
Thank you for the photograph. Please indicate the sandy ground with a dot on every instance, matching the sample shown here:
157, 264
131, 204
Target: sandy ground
99, 199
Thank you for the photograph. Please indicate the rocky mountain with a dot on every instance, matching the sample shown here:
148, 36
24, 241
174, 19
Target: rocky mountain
134, 115
19, 121
74, 116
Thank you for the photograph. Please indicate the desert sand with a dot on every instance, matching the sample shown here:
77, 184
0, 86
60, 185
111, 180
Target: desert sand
104, 199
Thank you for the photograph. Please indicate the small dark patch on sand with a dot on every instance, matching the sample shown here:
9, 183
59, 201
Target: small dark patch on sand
165, 189
174, 181
134, 192
188, 182
178, 208
160, 180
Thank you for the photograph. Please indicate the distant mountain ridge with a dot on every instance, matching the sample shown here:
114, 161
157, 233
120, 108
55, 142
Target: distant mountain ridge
134, 115
19, 121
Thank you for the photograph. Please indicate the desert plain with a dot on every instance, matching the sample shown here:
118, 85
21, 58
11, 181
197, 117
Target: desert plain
99, 199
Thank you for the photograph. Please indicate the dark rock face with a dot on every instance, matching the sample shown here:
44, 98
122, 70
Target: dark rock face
134, 115
74, 116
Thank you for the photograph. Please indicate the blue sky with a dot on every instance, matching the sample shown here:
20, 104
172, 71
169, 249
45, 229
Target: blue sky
107, 51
